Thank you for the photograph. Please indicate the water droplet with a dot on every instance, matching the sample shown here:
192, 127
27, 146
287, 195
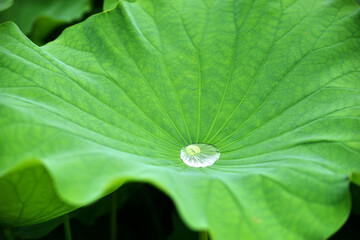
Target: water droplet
199, 155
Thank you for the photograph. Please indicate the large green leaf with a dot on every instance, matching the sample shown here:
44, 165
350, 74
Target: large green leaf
273, 84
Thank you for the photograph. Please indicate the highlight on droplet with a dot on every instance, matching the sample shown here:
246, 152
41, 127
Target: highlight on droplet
199, 155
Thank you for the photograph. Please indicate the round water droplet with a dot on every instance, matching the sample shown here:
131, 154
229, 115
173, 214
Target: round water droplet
199, 155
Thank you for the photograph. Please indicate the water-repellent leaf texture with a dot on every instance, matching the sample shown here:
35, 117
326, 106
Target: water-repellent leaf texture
274, 85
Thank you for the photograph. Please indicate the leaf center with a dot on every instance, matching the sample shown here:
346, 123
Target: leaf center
193, 150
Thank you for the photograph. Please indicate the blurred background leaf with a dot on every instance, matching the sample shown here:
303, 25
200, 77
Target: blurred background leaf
25, 12
5, 4
44, 20
109, 4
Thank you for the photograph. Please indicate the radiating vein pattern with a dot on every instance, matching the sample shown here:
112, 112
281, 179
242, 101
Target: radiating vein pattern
272, 84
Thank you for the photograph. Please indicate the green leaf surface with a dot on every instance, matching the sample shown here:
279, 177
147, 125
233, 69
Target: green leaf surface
274, 85
25, 12
28, 196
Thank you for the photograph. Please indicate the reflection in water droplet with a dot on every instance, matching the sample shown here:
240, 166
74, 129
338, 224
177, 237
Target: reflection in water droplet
199, 155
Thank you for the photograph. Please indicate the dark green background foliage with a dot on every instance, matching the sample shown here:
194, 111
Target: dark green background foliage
274, 85
42, 20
